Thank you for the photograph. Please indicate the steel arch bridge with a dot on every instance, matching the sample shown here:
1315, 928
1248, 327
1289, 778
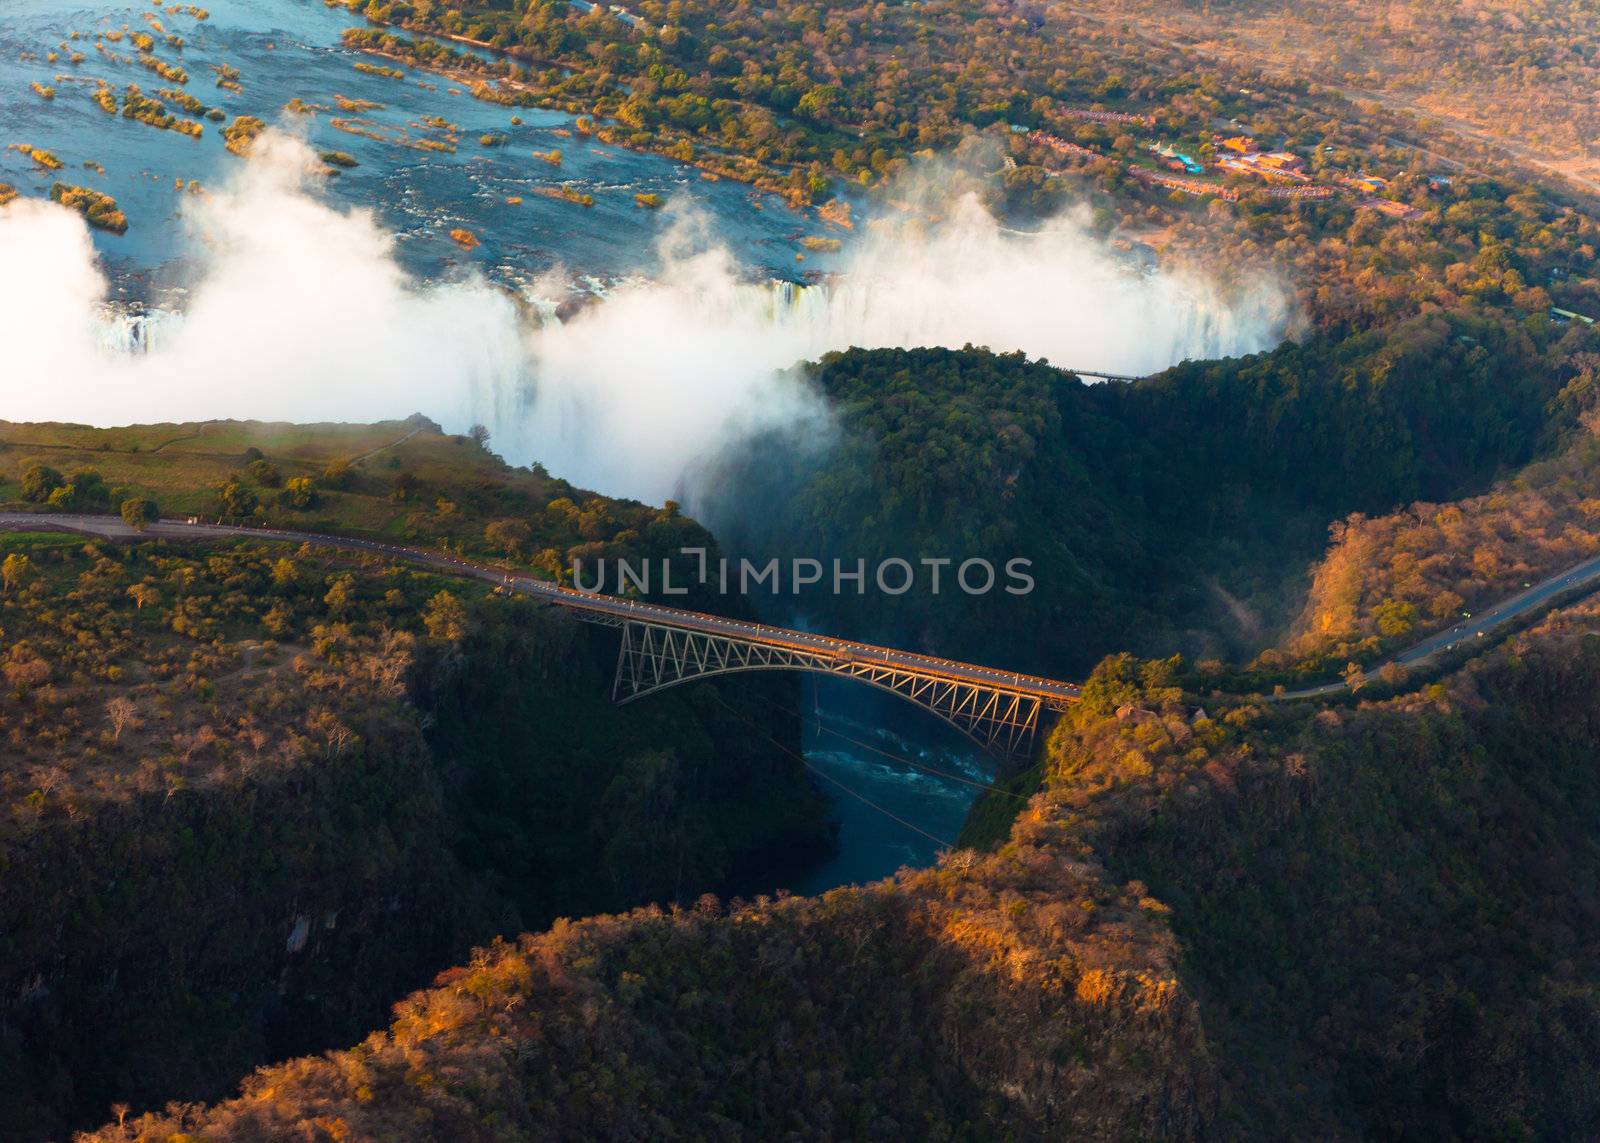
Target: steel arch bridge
663, 646
1002, 719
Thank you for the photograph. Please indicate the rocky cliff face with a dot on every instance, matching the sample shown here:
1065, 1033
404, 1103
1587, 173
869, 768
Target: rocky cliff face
1014, 995
160, 946
275, 841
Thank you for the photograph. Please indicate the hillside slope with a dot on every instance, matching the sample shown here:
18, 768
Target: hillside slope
251, 793
1247, 923
1172, 513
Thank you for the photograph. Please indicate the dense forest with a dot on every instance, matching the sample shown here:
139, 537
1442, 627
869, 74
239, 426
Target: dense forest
1387, 577
1247, 923
1175, 512
1165, 900
268, 790
1148, 938
816, 101
1386, 912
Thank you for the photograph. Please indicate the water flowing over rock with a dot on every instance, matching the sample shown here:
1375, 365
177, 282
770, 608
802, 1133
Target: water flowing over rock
137, 332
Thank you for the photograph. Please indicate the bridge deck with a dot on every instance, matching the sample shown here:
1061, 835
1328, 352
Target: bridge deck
604, 608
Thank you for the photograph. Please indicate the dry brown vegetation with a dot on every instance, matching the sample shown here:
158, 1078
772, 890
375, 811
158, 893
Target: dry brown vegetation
1517, 72
1322, 986
1017, 990
1389, 579
149, 671
206, 748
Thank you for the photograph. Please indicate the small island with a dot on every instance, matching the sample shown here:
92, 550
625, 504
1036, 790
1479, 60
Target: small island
99, 209
242, 133
152, 112
44, 160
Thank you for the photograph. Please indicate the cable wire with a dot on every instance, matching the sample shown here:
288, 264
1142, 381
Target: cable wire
862, 798
990, 787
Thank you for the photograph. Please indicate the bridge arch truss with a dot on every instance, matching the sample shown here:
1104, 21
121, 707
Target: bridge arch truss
654, 656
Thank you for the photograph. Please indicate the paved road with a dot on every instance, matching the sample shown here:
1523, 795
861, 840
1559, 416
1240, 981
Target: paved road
1476, 627
111, 527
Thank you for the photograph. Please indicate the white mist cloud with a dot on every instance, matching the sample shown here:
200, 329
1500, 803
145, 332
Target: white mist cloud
632, 393
303, 313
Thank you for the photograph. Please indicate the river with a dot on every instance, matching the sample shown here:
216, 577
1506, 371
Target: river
290, 49
901, 781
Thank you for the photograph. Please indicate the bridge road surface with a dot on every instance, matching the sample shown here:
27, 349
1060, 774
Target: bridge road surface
1051, 691
1472, 628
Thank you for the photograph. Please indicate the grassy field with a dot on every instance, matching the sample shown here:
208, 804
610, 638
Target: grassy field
180, 465
406, 480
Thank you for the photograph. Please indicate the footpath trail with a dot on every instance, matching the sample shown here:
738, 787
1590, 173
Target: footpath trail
355, 460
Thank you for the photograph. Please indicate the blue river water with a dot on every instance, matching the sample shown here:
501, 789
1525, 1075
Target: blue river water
290, 49
881, 760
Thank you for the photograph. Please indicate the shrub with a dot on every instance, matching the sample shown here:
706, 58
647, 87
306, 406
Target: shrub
300, 492
139, 511
237, 500
39, 481
265, 473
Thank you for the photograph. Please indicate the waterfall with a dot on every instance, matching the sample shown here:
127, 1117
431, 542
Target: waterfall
136, 332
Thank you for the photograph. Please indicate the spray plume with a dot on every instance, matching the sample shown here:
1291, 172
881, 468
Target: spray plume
301, 312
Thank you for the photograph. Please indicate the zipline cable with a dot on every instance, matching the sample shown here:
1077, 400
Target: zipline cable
988, 786
862, 798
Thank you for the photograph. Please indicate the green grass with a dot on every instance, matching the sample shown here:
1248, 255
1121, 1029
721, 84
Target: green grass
404, 480
179, 465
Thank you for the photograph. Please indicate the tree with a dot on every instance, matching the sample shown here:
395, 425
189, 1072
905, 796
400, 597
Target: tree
479, 435
819, 102
340, 594
1112, 684
237, 500
509, 535
445, 618
1393, 674
139, 512
300, 492
16, 570
143, 593
284, 574
89, 489
1354, 677
119, 711
39, 481
266, 473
